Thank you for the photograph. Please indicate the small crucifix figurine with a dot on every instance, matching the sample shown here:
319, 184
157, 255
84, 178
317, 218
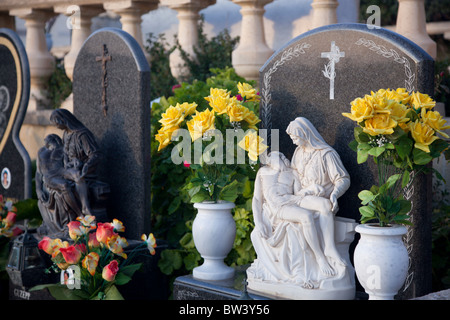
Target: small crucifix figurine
334, 55
104, 58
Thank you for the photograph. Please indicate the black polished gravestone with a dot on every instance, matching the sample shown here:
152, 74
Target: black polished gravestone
111, 97
111, 89
316, 76
15, 164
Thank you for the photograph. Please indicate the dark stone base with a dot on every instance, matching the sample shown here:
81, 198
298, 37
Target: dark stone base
189, 288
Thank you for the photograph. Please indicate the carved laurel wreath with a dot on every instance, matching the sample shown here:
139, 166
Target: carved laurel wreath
266, 96
391, 53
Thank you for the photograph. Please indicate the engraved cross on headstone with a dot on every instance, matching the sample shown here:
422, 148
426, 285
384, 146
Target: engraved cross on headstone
334, 55
104, 58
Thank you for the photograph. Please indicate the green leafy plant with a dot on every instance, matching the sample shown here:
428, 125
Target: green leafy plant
214, 53
59, 85
399, 130
172, 211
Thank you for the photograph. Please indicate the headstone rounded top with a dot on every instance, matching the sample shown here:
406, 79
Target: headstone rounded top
15, 164
396, 39
103, 34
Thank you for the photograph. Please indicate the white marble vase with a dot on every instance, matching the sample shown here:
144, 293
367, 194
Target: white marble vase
381, 260
214, 231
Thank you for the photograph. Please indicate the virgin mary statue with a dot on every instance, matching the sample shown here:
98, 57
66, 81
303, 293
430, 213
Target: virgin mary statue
301, 246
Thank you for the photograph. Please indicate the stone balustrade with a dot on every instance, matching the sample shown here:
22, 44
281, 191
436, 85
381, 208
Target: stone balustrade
247, 58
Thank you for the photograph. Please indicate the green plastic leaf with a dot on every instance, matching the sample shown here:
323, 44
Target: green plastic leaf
361, 156
366, 196
421, 157
404, 146
367, 211
230, 191
376, 151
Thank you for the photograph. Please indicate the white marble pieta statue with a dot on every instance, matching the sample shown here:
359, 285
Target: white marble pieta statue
301, 246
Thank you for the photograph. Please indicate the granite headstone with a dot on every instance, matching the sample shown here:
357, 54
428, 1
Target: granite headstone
15, 164
316, 76
111, 87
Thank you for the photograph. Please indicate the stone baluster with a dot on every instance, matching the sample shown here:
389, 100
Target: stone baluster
188, 17
252, 51
80, 23
323, 13
41, 62
131, 17
411, 23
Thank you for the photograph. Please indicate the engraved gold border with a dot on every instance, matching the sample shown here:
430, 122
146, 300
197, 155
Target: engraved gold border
7, 43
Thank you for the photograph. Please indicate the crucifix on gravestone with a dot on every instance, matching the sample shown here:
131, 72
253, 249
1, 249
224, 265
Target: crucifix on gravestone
104, 58
334, 55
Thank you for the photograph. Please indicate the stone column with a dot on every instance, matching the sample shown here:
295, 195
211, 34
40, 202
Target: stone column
80, 24
411, 23
131, 17
188, 17
252, 51
40, 60
323, 13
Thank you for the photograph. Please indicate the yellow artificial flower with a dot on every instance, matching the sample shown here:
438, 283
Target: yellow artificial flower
236, 111
253, 144
187, 108
381, 104
172, 117
219, 104
200, 123
435, 121
399, 112
164, 137
422, 134
252, 119
399, 95
90, 262
247, 91
150, 241
118, 225
116, 244
215, 92
420, 100
360, 110
380, 124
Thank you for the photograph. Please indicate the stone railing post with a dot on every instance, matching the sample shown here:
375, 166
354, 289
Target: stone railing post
188, 17
41, 62
252, 51
131, 17
323, 13
411, 23
80, 23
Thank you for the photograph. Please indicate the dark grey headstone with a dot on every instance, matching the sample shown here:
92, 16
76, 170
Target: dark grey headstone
123, 129
15, 162
293, 84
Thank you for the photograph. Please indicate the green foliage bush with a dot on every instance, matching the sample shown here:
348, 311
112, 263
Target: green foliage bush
172, 212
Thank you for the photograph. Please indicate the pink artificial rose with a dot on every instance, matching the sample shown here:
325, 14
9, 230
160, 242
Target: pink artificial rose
104, 232
10, 219
71, 254
109, 272
186, 164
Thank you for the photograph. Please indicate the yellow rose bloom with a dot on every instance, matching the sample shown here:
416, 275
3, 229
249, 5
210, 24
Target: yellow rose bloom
247, 91
399, 95
252, 119
215, 92
172, 117
219, 104
200, 123
420, 100
360, 110
435, 121
399, 112
164, 137
422, 134
187, 108
381, 123
253, 144
236, 111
